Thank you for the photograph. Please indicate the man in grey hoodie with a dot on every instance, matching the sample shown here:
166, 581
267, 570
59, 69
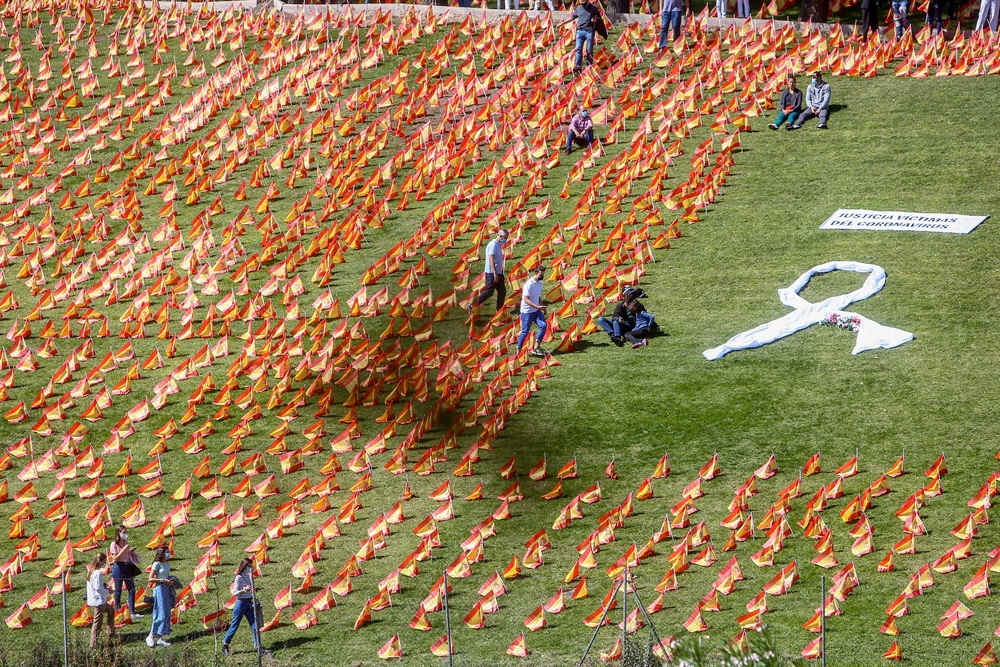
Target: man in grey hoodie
817, 103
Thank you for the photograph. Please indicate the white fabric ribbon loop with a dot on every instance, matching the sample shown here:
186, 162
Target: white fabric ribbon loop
871, 335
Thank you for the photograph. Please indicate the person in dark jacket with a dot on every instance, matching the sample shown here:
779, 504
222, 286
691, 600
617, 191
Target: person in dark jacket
869, 18
789, 106
622, 320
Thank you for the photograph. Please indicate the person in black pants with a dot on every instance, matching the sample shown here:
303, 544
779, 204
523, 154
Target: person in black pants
869, 18
494, 272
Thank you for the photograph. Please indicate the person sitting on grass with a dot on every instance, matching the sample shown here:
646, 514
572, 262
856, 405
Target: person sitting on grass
581, 131
533, 312
644, 324
817, 103
790, 105
622, 321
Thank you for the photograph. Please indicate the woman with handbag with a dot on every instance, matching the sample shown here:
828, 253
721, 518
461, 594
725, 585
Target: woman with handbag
159, 578
124, 569
242, 588
97, 599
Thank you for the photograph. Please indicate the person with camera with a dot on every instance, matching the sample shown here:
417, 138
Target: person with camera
124, 568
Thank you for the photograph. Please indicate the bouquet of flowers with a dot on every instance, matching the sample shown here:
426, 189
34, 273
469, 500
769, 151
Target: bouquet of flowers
852, 322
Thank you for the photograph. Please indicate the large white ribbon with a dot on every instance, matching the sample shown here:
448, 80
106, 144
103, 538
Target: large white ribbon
871, 335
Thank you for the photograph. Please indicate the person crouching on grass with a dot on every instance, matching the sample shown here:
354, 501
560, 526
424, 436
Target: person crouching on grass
533, 312
581, 131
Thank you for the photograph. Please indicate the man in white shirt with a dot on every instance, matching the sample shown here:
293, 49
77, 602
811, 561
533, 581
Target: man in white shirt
532, 311
493, 270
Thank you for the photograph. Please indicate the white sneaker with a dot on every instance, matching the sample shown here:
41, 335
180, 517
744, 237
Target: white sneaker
160, 642
149, 641
137, 615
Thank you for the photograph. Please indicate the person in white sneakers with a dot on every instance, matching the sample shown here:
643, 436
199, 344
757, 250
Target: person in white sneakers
124, 567
533, 312
163, 598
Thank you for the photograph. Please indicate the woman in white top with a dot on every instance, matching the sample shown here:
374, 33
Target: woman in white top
243, 590
97, 599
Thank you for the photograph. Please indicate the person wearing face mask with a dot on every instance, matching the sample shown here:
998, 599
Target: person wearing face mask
163, 598
494, 272
125, 566
817, 103
581, 130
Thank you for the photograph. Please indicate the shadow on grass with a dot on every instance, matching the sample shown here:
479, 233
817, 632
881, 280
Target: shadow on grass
293, 642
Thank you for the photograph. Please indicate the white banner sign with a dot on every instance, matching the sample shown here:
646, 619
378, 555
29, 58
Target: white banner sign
896, 221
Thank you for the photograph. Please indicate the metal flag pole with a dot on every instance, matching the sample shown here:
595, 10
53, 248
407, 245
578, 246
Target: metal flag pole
822, 618
215, 624
256, 620
645, 614
600, 623
65, 624
447, 615
625, 607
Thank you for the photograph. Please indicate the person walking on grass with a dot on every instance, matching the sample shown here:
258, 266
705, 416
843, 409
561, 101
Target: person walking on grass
245, 607
97, 599
900, 16
790, 105
586, 16
125, 565
817, 103
533, 312
163, 598
493, 271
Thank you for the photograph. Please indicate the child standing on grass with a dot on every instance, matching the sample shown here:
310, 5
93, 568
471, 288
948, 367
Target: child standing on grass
97, 599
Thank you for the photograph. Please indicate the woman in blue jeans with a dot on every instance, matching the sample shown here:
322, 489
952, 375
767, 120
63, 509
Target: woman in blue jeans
123, 559
789, 106
243, 590
900, 11
533, 312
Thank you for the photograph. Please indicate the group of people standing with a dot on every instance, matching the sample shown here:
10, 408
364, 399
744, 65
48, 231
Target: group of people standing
124, 568
124, 561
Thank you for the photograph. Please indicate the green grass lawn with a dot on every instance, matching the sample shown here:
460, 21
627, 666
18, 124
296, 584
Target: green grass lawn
894, 144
